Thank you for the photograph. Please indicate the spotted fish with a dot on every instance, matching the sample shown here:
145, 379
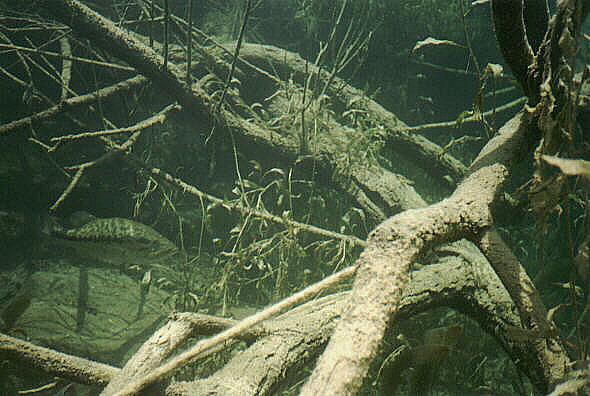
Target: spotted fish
118, 229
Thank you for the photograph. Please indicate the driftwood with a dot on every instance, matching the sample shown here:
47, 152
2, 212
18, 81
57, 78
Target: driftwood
70, 367
271, 360
362, 180
277, 351
422, 151
84, 371
71, 103
399, 240
166, 341
383, 270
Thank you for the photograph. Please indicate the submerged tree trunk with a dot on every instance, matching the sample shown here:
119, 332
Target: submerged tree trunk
355, 324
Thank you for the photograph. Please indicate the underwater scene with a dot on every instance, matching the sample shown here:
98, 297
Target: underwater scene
294, 197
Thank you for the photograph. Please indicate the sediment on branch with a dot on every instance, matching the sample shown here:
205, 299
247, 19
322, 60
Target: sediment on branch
421, 151
277, 352
392, 249
378, 191
393, 246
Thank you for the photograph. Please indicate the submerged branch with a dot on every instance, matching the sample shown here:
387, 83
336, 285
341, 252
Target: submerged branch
383, 273
244, 325
81, 169
70, 103
76, 369
277, 350
467, 120
94, 62
157, 118
185, 187
511, 35
387, 126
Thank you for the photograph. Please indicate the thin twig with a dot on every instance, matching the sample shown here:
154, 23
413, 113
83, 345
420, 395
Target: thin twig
37, 93
236, 56
151, 25
470, 119
189, 43
40, 389
166, 24
244, 325
159, 174
500, 91
69, 57
80, 169
158, 118
24, 63
446, 69
181, 23
69, 103
73, 183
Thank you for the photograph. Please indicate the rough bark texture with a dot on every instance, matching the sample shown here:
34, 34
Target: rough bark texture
384, 267
454, 282
383, 273
167, 340
160, 346
363, 182
73, 368
422, 151
550, 358
512, 141
463, 281
105, 33
272, 359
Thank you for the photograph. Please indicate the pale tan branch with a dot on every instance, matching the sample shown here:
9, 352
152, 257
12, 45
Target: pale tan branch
66, 68
168, 338
393, 248
383, 274
71, 367
244, 325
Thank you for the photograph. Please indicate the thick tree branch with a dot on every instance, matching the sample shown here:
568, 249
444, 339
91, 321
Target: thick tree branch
422, 151
549, 358
511, 34
383, 274
270, 361
166, 341
536, 19
73, 368
105, 33
394, 245
463, 281
395, 194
